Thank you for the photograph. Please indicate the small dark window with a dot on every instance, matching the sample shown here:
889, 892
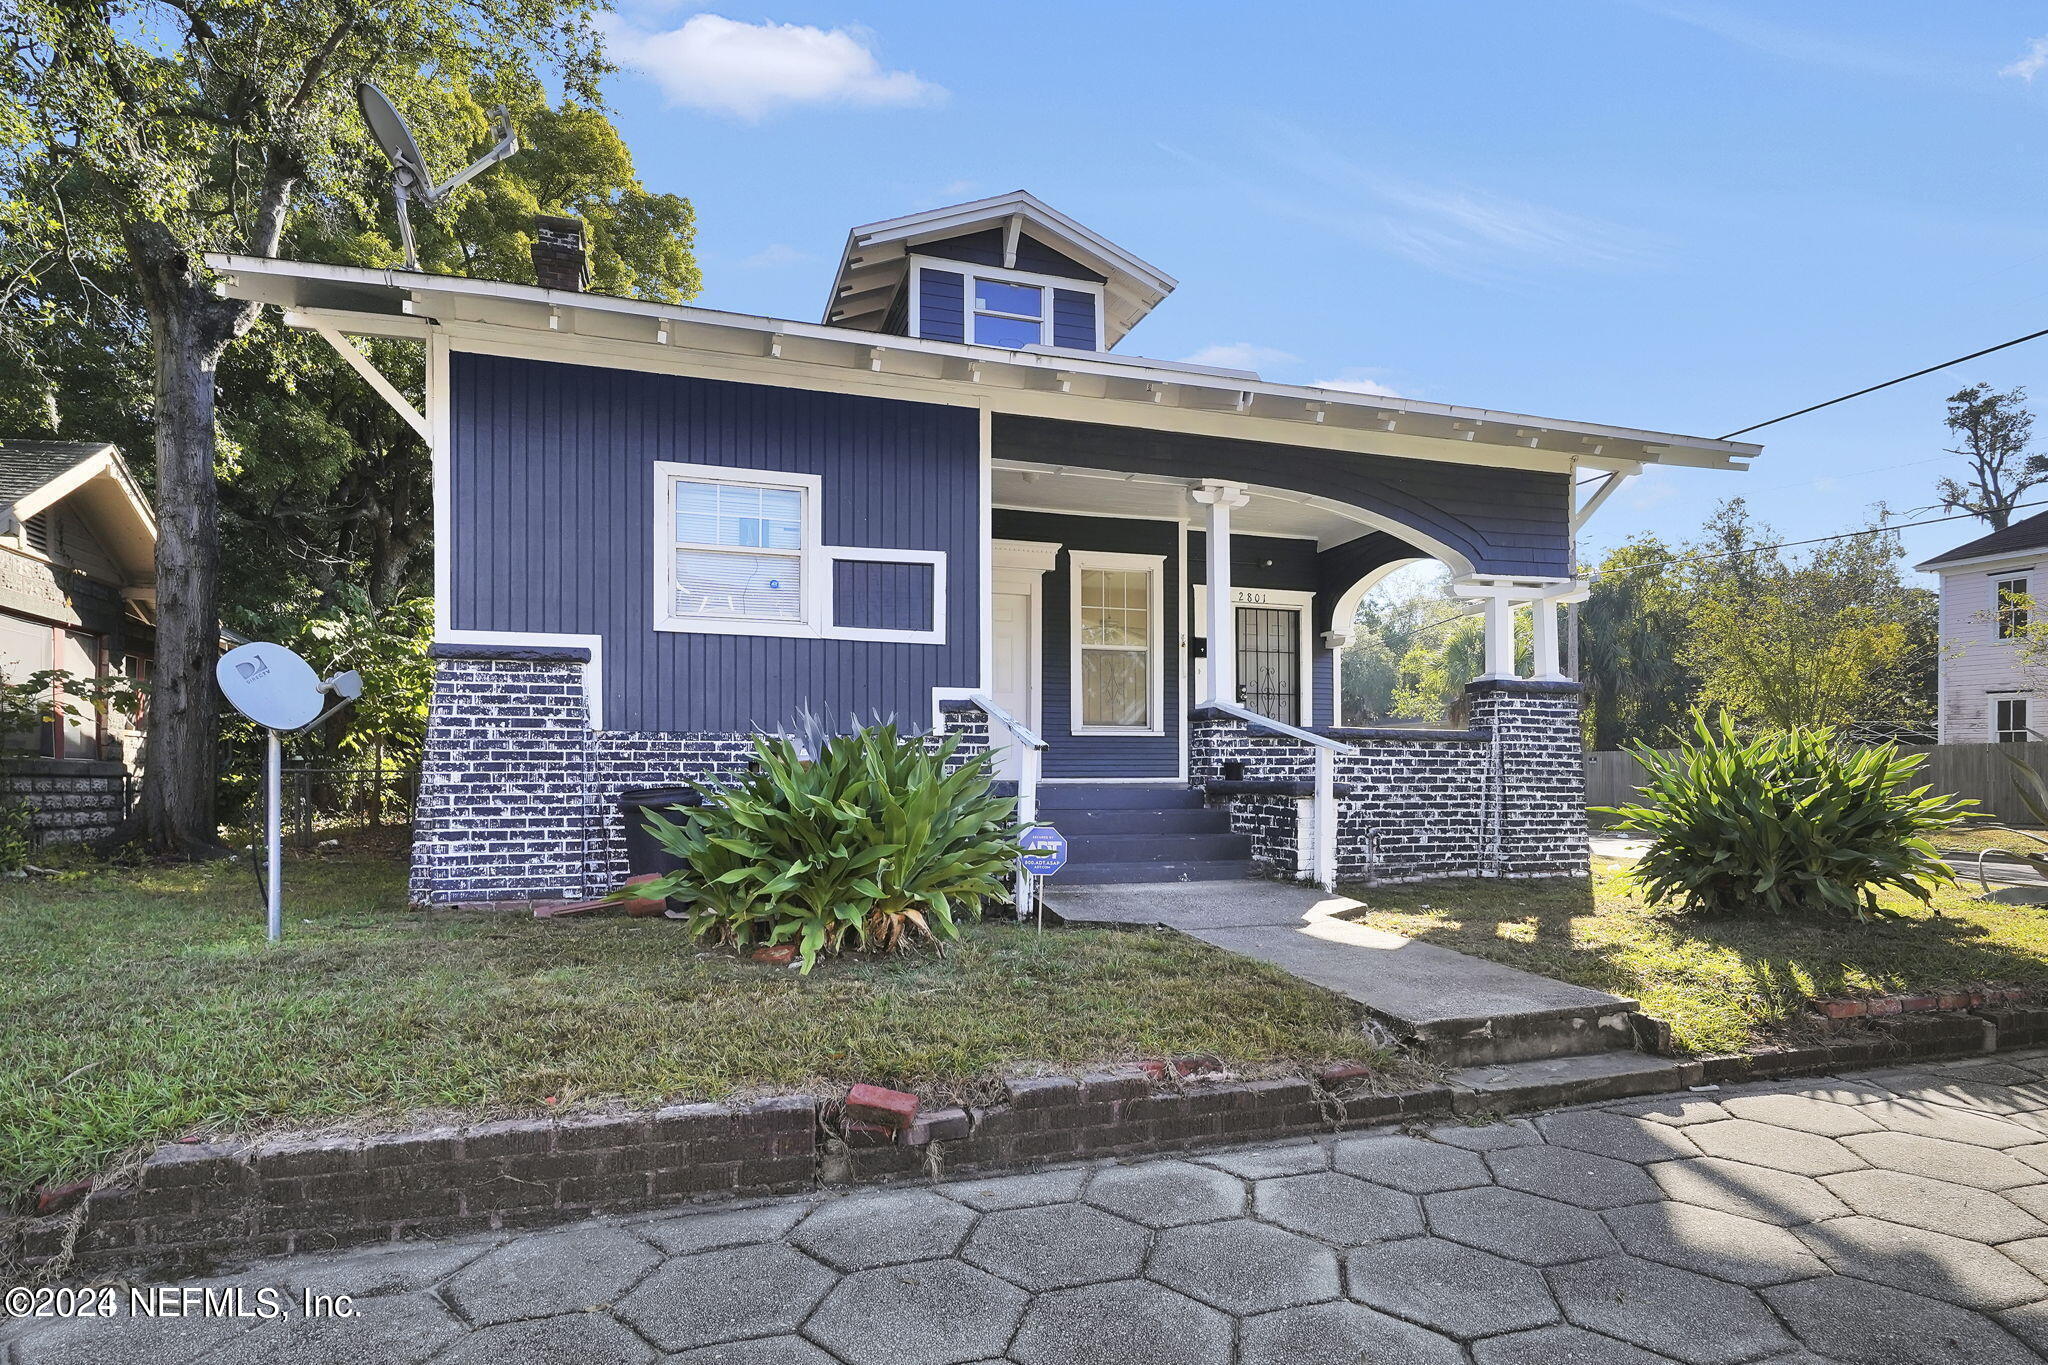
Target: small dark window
2012, 723
2012, 607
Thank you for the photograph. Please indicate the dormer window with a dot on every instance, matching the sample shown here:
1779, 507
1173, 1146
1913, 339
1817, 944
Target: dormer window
985, 305
1007, 314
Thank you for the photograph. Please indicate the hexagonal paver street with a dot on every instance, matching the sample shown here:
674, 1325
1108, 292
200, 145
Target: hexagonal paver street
1898, 1217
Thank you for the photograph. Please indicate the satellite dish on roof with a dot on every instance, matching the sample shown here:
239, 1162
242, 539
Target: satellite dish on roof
411, 180
280, 692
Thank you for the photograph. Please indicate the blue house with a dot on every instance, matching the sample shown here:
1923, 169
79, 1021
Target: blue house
660, 529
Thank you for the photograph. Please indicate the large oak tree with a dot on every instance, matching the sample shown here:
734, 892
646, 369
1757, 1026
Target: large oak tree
138, 134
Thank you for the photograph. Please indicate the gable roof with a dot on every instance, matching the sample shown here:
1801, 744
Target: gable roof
876, 260
27, 465
36, 475
2022, 537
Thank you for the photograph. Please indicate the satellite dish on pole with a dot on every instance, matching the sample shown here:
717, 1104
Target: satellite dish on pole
411, 180
280, 692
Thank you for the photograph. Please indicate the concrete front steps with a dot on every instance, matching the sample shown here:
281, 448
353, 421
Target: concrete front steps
1123, 833
1463, 1013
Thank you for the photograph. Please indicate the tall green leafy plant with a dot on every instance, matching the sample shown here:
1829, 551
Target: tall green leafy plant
1789, 823
871, 843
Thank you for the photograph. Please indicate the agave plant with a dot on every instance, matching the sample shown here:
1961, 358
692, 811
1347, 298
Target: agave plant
864, 839
1785, 823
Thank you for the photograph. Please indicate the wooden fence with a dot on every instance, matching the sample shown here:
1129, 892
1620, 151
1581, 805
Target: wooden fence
1978, 771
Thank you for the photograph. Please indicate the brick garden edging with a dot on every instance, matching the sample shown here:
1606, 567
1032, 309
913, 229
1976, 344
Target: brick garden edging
189, 1206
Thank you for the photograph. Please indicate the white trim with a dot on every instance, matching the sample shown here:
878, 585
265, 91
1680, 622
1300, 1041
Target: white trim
371, 375
1029, 583
985, 586
935, 634
441, 454
1296, 600
733, 342
812, 564
593, 672
1026, 556
1155, 565
1001, 275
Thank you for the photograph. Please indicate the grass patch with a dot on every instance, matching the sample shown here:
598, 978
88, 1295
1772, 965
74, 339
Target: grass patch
143, 1005
1976, 836
1722, 983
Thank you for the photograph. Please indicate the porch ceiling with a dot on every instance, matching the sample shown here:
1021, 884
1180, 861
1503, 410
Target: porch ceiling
1271, 512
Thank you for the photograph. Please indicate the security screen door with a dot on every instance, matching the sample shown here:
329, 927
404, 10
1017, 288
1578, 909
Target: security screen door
1269, 662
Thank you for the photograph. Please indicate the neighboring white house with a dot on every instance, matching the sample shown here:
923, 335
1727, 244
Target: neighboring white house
1987, 586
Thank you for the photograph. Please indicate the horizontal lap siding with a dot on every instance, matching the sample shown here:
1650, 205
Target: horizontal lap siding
1069, 754
1506, 521
1073, 319
552, 528
940, 315
986, 248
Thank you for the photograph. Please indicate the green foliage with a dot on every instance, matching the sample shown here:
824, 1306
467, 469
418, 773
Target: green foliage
865, 845
1992, 431
1632, 632
1787, 823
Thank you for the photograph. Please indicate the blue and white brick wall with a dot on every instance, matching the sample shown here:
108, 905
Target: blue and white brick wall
1502, 798
519, 797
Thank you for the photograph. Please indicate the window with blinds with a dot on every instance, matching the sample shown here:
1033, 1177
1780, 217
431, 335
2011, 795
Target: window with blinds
738, 550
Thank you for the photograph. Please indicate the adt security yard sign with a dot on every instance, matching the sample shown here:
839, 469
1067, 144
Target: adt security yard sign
1045, 851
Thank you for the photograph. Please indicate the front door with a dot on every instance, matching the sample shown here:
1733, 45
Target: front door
1269, 662
1015, 679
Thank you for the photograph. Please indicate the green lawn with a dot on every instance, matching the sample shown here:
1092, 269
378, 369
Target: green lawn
1723, 983
138, 1006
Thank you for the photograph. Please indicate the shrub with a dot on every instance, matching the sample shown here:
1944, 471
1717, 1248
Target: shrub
1785, 823
870, 844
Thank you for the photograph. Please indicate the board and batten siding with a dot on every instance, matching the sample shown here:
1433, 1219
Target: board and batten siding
1068, 754
1977, 668
1505, 521
552, 516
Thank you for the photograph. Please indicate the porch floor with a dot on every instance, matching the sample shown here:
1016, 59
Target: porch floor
1461, 1010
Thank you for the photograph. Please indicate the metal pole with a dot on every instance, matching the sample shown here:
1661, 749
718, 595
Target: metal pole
273, 829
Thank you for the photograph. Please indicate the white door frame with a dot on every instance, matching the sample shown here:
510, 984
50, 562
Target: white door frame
1020, 566
1280, 599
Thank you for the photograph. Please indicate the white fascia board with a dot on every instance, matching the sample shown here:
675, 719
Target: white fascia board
267, 279
2016, 559
993, 211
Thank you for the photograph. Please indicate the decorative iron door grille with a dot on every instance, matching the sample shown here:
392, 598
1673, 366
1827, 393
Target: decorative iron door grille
1269, 662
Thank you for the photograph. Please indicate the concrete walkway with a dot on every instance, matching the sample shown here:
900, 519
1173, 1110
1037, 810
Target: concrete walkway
1462, 1010
1891, 1218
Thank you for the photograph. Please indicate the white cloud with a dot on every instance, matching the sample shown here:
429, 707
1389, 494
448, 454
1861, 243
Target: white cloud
776, 254
1360, 381
1239, 355
2032, 64
749, 71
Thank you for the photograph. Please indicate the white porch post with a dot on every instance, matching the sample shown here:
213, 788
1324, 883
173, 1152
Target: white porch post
1543, 632
1219, 497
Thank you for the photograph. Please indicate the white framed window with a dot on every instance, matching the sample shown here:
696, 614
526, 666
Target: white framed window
1003, 307
1114, 618
2009, 603
2012, 722
736, 551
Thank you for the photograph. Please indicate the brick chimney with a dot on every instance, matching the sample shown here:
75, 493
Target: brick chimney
559, 261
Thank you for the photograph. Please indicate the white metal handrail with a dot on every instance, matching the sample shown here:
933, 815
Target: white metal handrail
1291, 731
1323, 834
1030, 752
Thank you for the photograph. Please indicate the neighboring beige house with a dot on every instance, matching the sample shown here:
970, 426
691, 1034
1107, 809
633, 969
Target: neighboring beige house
1987, 586
77, 592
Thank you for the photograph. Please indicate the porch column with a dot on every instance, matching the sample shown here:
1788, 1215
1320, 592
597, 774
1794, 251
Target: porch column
1500, 600
1219, 497
1543, 634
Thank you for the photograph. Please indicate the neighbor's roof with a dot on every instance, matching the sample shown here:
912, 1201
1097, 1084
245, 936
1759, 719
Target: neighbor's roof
2022, 537
877, 256
26, 465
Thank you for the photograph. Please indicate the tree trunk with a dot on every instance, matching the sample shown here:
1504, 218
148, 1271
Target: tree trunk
190, 329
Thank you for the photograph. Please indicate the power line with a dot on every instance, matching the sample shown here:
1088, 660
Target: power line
1757, 426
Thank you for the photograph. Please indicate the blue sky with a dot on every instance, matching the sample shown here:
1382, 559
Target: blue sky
1681, 216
